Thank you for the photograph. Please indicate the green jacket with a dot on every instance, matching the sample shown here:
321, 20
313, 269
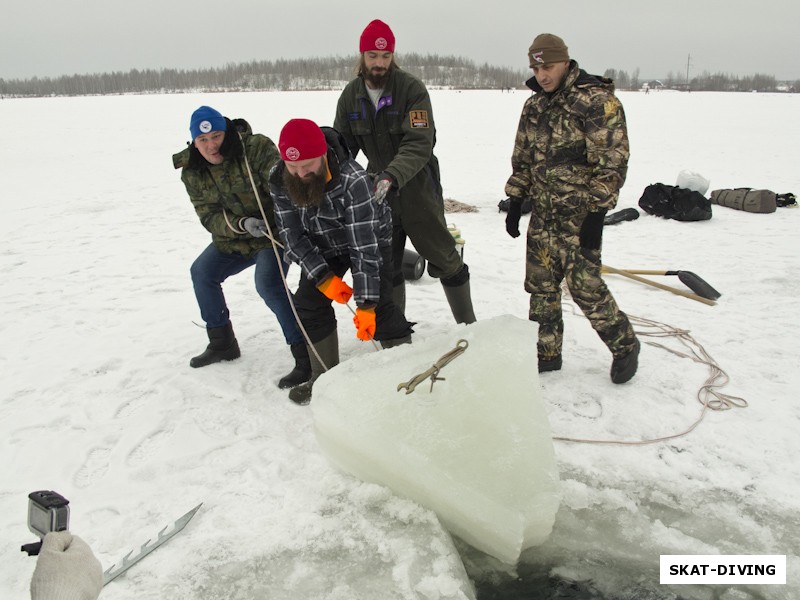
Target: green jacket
223, 194
571, 150
398, 136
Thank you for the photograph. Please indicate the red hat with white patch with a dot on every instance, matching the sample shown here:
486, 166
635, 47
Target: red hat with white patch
377, 36
301, 139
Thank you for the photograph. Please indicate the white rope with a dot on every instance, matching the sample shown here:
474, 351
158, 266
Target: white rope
230, 225
708, 394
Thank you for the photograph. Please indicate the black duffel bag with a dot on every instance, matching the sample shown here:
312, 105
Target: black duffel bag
673, 202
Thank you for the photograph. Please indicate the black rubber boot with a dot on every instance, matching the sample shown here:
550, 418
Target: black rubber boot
456, 290
553, 364
395, 342
222, 345
328, 350
460, 301
623, 369
399, 296
302, 368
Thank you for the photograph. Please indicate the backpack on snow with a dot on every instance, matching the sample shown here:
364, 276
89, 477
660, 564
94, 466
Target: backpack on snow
750, 200
673, 202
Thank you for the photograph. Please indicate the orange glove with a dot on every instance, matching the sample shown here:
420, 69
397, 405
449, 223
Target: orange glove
365, 323
336, 289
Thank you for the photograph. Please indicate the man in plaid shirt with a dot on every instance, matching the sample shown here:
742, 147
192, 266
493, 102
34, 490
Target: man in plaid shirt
330, 223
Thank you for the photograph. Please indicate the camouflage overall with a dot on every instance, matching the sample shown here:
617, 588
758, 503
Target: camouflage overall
570, 158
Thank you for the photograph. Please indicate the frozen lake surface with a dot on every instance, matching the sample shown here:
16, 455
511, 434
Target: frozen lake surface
98, 401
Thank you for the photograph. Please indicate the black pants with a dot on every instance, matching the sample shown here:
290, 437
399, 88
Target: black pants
418, 214
316, 311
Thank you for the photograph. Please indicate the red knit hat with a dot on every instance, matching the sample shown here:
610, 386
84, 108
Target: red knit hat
377, 36
301, 139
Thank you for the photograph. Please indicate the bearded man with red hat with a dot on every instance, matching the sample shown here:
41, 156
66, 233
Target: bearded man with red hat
331, 223
386, 114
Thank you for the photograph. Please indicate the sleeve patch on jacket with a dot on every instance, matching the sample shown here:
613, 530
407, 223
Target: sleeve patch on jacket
419, 119
611, 107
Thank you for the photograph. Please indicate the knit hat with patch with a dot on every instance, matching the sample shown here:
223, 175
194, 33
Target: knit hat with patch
377, 36
301, 139
546, 49
205, 120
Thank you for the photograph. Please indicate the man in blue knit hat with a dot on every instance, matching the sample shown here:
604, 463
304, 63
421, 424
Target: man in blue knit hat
225, 171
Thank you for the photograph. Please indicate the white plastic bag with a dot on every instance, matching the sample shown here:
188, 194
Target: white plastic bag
693, 181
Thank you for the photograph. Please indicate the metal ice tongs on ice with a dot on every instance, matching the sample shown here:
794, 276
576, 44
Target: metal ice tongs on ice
433, 372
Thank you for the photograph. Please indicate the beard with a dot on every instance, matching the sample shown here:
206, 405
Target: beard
377, 79
306, 192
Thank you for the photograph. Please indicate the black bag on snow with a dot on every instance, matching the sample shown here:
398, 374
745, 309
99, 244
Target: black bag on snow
503, 205
673, 202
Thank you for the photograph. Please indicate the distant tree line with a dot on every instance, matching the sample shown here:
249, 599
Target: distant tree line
331, 73
266, 75
705, 82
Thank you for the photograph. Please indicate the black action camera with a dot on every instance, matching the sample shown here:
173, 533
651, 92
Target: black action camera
47, 511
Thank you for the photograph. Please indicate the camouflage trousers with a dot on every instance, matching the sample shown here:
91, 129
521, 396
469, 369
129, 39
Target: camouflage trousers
553, 257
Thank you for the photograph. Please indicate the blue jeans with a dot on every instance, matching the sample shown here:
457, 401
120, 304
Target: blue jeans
213, 267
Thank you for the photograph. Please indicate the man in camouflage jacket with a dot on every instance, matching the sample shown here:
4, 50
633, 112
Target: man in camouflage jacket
570, 158
214, 170
386, 113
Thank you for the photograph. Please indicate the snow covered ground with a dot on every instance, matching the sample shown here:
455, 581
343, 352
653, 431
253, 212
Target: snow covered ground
98, 401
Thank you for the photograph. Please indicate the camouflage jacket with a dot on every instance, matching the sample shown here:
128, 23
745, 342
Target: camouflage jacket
399, 135
348, 223
571, 150
223, 194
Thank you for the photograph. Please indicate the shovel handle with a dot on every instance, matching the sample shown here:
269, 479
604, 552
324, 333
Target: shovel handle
661, 286
647, 272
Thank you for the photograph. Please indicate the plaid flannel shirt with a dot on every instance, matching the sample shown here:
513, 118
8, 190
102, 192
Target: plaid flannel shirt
348, 222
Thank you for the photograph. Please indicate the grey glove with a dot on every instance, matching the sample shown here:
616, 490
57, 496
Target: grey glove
385, 186
254, 227
66, 570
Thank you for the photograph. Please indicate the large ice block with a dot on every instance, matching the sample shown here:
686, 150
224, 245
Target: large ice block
476, 448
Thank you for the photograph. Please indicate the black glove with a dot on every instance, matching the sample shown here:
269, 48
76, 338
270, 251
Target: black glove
591, 235
385, 186
513, 216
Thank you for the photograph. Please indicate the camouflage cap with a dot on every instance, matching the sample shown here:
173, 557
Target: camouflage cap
547, 48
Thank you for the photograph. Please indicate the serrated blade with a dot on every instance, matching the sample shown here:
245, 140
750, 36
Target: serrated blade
127, 561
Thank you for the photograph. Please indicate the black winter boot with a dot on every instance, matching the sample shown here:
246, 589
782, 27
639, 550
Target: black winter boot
553, 364
623, 369
302, 368
328, 350
222, 345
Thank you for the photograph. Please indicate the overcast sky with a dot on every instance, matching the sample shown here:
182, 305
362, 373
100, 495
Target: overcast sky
91, 36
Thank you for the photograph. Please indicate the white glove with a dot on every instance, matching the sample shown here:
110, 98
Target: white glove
66, 569
254, 227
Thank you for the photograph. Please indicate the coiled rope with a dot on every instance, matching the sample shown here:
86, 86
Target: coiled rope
708, 394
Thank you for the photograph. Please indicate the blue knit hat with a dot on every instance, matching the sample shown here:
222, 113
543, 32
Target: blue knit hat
205, 120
